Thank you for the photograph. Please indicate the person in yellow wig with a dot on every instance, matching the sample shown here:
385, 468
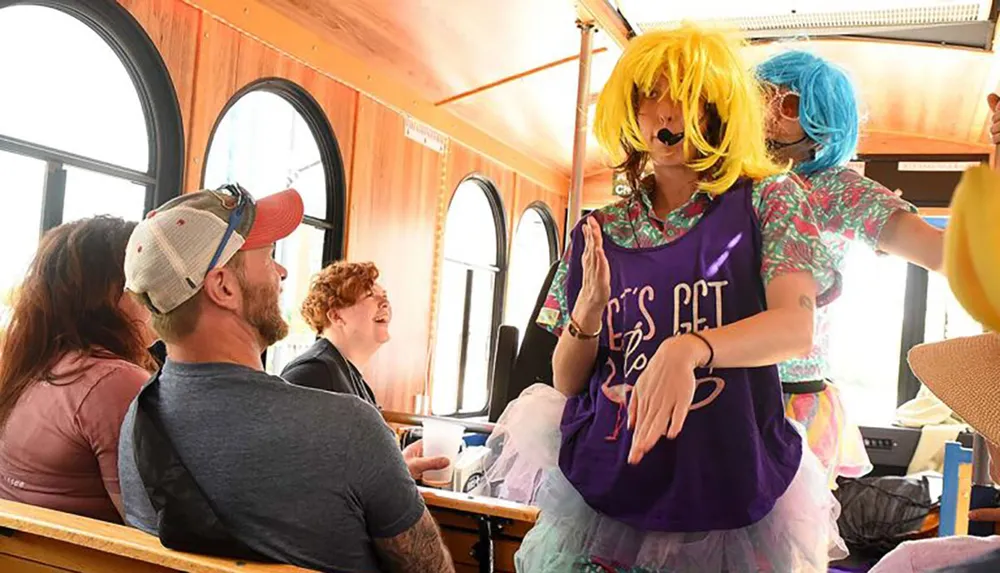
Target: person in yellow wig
663, 445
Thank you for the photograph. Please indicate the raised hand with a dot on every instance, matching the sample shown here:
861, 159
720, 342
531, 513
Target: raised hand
595, 288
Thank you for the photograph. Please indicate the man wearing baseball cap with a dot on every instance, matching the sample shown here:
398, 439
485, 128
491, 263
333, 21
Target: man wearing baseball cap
217, 456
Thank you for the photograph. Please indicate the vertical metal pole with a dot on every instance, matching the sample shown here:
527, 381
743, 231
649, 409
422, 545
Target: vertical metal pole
580, 137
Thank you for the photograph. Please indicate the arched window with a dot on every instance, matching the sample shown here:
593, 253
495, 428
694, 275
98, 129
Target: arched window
89, 122
273, 136
471, 297
535, 249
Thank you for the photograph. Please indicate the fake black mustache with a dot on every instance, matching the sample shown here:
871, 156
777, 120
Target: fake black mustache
668, 137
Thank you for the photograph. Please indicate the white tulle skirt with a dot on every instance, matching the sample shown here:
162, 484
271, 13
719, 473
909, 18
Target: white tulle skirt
799, 535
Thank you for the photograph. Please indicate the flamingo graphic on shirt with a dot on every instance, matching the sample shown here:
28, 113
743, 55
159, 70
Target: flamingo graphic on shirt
618, 394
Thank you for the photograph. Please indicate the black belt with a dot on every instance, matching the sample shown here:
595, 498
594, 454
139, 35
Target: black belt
807, 387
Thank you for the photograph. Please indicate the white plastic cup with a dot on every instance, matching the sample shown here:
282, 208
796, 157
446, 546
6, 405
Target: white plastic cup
441, 439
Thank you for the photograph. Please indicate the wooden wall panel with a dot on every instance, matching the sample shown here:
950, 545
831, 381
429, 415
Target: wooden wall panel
340, 104
393, 213
214, 84
597, 190
173, 28
882, 143
228, 61
398, 190
255, 61
559, 205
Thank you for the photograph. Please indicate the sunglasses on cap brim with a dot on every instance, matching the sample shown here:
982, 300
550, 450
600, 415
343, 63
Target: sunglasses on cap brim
243, 201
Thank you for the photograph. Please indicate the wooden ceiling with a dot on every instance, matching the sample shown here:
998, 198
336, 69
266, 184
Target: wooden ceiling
510, 69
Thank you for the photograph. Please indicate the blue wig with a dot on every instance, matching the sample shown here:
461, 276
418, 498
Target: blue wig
828, 107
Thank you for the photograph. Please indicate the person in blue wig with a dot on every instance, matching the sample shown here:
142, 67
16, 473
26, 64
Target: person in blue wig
814, 123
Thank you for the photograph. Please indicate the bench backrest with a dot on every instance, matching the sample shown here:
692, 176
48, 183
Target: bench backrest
39, 540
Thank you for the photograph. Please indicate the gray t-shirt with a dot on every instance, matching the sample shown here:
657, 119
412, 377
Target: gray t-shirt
300, 475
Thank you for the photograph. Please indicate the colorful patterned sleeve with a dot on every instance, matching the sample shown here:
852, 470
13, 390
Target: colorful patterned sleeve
790, 236
554, 314
852, 205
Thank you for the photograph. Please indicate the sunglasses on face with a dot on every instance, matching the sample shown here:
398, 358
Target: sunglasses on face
785, 102
243, 200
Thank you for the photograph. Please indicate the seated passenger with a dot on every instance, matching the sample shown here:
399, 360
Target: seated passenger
310, 478
351, 313
73, 357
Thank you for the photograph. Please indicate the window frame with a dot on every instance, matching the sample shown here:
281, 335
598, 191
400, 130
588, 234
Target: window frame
544, 212
335, 222
495, 201
551, 229
913, 332
157, 96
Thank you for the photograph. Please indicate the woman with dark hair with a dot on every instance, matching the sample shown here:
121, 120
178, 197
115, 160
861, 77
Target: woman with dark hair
73, 357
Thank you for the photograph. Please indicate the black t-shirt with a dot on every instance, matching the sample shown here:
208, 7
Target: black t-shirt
323, 367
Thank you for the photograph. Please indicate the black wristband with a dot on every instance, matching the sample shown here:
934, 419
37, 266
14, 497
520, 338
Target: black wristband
711, 351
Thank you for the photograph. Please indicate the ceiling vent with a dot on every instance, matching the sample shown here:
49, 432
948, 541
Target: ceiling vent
789, 18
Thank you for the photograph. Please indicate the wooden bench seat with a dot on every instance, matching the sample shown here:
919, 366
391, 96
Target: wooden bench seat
39, 540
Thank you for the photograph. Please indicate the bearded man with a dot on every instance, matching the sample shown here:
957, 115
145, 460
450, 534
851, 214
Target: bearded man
219, 457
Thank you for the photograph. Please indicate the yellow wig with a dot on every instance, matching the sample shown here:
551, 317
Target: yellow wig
702, 66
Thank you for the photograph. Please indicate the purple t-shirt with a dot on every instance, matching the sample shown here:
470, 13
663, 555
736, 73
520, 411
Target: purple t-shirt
736, 454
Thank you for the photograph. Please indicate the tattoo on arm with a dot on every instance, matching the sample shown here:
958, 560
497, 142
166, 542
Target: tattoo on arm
419, 549
806, 302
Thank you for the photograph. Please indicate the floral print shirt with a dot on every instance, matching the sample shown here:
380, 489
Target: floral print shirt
848, 206
790, 238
